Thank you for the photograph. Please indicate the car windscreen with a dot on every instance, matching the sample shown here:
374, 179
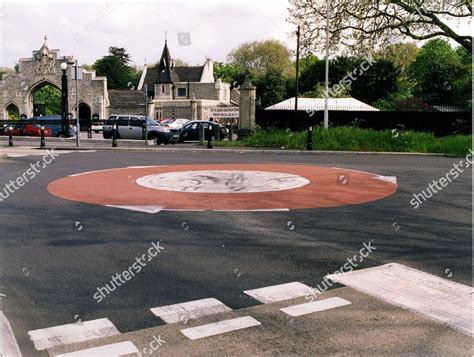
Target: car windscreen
151, 122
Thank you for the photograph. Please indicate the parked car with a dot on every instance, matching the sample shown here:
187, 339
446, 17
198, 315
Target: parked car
52, 122
175, 123
132, 127
96, 126
28, 129
190, 131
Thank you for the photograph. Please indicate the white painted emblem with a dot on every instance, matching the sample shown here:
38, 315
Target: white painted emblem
222, 181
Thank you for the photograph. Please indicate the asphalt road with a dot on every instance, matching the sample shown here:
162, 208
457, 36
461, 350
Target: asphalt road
55, 253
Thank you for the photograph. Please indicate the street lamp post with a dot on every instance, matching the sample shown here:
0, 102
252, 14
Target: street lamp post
64, 101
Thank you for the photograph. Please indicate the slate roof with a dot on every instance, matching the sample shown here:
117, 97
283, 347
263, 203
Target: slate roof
126, 99
163, 73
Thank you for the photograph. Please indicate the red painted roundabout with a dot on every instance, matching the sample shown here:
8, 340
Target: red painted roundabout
229, 187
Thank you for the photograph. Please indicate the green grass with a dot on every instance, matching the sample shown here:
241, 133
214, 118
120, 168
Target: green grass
355, 139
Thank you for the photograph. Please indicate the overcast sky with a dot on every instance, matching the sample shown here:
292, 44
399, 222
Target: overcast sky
87, 30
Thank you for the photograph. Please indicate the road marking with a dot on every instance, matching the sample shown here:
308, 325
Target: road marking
429, 295
223, 181
279, 292
8, 345
95, 172
391, 179
322, 305
143, 209
220, 327
190, 310
72, 333
121, 349
254, 210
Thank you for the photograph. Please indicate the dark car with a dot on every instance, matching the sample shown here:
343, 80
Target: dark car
190, 132
133, 127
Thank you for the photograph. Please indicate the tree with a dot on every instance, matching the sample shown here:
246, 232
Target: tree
378, 82
402, 55
259, 57
227, 72
51, 97
436, 70
6, 70
115, 67
366, 24
271, 88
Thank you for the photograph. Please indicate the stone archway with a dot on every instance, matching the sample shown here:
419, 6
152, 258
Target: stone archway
85, 111
34, 108
12, 111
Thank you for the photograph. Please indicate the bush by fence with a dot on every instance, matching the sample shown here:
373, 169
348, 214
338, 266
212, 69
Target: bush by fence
439, 123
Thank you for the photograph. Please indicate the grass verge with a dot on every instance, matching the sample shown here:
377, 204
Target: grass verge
356, 139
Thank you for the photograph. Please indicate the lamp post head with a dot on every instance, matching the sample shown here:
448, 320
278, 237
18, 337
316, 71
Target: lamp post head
63, 66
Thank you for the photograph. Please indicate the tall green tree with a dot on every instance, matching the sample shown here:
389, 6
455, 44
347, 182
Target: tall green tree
50, 97
271, 88
260, 57
115, 66
438, 71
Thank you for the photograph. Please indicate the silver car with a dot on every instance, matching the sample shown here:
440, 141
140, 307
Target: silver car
135, 127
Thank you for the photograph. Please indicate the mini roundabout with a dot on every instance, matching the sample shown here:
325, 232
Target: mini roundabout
228, 187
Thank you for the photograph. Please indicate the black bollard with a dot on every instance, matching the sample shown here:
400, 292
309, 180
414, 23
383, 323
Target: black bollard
310, 139
210, 144
10, 136
42, 142
114, 135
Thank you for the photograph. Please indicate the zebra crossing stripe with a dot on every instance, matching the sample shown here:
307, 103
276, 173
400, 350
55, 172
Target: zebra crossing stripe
121, 349
281, 292
220, 327
429, 295
190, 310
317, 306
72, 333
8, 345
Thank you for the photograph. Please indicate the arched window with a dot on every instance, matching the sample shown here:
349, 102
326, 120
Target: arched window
13, 113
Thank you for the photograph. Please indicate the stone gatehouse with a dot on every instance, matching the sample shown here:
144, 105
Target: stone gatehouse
43, 68
176, 92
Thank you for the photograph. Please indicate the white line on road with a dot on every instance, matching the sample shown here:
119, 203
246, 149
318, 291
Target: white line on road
220, 327
72, 333
143, 209
429, 295
8, 345
279, 292
190, 310
121, 349
317, 306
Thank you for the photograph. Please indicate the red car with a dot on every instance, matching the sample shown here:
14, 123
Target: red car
28, 130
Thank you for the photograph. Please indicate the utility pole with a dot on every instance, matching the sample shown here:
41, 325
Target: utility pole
297, 67
326, 85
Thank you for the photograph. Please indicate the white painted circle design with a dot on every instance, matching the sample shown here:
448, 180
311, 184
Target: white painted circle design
222, 181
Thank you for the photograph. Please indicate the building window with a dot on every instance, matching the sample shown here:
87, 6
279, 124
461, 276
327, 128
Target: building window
181, 92
162, 89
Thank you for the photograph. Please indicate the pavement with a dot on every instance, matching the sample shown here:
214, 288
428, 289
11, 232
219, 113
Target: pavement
56, 253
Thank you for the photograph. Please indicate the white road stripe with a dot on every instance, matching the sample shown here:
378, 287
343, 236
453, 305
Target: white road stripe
322, 305
279, 292
144, 209
190, 310
437, 298
72, 333
121, 349
255, 210
220, 327
8, 345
